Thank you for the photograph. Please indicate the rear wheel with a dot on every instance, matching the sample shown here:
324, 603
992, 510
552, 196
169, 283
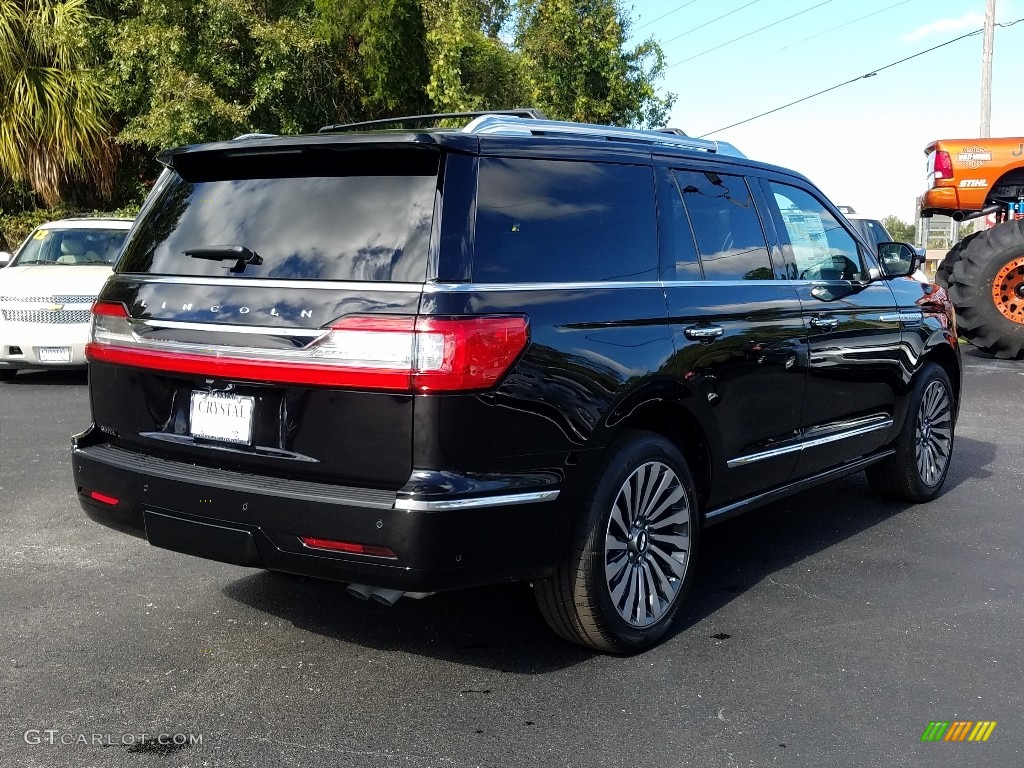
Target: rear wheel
987, 288
632, 556
945, 268
7, 374
924, 447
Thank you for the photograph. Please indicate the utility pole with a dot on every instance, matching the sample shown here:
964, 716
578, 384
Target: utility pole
986, 68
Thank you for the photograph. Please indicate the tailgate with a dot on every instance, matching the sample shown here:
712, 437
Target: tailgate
258, 313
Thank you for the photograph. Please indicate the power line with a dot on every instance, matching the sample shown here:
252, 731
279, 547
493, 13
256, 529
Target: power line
838, 26
677, 8
707, 23
855, 79
761, 57
750, 34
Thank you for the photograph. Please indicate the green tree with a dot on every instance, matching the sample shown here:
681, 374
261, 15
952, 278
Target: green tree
54, 127
383, 45
899, 229
580, 67
471, 67
183, 72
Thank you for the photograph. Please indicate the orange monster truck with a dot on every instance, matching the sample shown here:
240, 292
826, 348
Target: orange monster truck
984, 272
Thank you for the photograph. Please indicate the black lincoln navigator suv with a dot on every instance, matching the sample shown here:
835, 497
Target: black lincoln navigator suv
415, 360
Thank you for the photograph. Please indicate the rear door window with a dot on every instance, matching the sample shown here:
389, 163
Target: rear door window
725, 223
334, 221
559, 221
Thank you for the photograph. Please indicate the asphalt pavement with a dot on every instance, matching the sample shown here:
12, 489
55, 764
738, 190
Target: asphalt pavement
826, 630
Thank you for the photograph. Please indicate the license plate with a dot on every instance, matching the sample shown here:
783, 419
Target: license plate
218, 416
54, 354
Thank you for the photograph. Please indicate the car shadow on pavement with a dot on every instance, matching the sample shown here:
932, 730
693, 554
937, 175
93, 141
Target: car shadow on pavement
501, 628
494, 627
742, 552
48, 378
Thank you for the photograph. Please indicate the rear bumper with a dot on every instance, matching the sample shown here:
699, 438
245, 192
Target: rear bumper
942, 201
21, 342
439, 543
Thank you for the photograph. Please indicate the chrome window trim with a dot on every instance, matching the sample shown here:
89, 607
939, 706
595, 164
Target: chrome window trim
414, 505
434, 287
811, 443
253, 282
590, 285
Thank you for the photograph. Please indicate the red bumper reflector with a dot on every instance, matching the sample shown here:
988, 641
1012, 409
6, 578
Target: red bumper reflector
103, 498
347, 546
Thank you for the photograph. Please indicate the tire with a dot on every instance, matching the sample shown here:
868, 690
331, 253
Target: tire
8, 374
945, 268
924, 447
631, 560
986, 285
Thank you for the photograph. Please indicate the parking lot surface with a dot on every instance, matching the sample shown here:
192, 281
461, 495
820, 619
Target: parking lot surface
829, 630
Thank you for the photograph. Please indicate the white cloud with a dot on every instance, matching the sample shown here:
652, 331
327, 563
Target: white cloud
965, 23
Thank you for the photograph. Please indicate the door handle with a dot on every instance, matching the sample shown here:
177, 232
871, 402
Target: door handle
705, 333
827, 324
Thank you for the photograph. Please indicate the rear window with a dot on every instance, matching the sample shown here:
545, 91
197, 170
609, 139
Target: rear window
559, 221
344, 221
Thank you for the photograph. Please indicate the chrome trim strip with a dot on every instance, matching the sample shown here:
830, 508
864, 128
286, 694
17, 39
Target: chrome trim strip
484, 287
590, 285
433, 287
413, 505
256, 282
902, 316
255, 330
724, 513
812, 443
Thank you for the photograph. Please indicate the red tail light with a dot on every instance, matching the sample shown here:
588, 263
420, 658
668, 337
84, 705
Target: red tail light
384, 352
943, 166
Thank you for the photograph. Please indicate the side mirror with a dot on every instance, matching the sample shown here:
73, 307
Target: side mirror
898, 259
5, 259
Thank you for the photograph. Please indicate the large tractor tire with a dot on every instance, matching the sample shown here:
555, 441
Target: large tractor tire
986, 285
945, 268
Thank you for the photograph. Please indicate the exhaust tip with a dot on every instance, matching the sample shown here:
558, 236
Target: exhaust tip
386, 597
360, 591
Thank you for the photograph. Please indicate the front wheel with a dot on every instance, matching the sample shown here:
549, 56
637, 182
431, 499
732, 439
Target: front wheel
631, 561
924, 446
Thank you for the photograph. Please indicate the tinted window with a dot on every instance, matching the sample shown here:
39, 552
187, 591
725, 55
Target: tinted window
822, 248
678, 247
323, 227
729, 236
872, 231
556, 221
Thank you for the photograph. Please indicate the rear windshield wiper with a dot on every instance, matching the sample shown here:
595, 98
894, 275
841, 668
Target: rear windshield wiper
241, 255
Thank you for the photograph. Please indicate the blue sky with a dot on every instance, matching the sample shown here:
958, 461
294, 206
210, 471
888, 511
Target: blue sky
863, 144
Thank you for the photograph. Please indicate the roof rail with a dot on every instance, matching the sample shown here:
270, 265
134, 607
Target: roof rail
505, 125
526, 112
